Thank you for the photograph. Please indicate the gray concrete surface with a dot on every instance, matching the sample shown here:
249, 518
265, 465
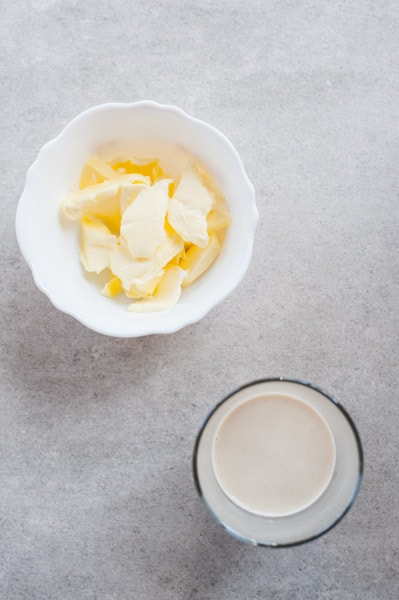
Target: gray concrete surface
96, 493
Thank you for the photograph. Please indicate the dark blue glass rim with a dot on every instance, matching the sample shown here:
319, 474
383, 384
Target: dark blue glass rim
355, 434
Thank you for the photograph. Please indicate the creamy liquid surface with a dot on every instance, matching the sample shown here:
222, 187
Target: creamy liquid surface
273, 455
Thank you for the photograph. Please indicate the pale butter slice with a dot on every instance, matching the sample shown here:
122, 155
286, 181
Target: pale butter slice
189, 207
143, 221
198, 260
138, 272
219, 218
95, 171
145, 289
166, 294
97, 245
128, 193
88, 199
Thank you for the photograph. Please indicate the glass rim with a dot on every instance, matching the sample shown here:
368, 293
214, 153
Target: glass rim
356, 436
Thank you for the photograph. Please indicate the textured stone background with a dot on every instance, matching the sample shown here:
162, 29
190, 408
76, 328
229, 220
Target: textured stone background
96, 493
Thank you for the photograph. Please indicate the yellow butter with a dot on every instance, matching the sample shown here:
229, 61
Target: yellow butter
112, 288
198, 260
147, 167
143, 221
155, 234
166, 294
137, 272
92, 197
189, 207
145, 289
218, 219
96, 171
97, 244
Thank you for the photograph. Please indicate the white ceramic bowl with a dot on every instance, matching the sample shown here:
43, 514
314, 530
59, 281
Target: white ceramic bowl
50, 246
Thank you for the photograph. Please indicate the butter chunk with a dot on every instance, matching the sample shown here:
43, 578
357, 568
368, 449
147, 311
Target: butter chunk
165, 295
146, 166
142, 224
189, 207
98, 243
129, 193
112, 288
138, 272
95, 171
144, 289
198, 260
108, 212
218, 219
88, 199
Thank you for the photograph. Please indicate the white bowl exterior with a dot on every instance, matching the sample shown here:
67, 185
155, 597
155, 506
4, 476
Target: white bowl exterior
50, 245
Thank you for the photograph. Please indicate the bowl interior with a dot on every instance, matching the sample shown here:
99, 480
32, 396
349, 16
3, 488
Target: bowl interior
50, 243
